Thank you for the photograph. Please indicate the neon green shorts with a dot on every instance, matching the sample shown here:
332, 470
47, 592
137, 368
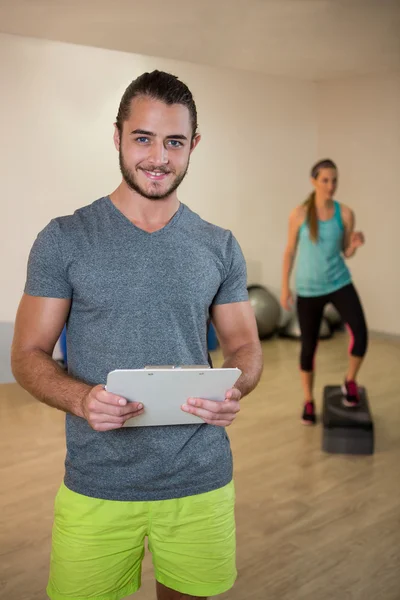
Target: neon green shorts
98, 545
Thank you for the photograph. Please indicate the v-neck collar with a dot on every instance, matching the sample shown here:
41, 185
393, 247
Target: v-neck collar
137, 229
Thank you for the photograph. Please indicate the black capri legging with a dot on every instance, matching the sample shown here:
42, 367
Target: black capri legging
310, 312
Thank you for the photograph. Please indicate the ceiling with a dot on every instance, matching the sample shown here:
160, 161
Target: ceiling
306, 39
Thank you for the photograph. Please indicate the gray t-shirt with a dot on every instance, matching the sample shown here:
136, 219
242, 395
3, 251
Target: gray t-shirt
138, 299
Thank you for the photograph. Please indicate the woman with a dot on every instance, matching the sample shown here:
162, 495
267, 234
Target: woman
321, 231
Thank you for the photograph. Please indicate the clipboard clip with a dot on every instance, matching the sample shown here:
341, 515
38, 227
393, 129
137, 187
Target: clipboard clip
155, 367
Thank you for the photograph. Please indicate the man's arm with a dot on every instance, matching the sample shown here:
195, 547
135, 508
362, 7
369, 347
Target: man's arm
237, 332
38, 326
238, 336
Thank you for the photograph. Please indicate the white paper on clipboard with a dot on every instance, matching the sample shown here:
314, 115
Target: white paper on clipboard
163, 391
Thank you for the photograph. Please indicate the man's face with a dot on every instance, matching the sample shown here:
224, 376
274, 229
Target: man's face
155, 147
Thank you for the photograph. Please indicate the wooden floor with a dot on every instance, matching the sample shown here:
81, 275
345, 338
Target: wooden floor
310, 526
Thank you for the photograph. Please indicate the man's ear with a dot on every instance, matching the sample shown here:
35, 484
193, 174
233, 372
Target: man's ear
117, 138
195, 141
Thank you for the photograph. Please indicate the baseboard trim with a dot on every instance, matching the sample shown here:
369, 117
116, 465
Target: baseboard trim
6, 336
395, 337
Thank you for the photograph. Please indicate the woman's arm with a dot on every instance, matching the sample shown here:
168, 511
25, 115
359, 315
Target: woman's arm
351, 239
295, 219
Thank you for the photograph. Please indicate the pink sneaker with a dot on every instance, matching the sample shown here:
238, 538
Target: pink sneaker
308, 416
351, 396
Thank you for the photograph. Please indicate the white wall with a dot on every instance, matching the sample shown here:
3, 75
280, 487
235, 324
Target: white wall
58, 105
359, 127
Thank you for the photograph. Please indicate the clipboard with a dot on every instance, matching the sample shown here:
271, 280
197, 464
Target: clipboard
163, 390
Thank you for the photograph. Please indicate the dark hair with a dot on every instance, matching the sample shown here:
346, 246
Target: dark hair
157, 85
312, 219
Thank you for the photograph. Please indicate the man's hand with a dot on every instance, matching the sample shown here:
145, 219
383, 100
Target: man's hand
105, 411
213, 412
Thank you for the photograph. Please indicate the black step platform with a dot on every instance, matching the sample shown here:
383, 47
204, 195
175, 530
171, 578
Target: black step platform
346, 430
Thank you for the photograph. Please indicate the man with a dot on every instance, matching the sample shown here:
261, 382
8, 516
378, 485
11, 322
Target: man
136, 276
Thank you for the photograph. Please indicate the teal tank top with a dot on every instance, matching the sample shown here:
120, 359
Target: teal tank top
321, 268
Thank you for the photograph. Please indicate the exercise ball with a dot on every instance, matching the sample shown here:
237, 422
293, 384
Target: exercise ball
266, 310
292, 329
212, 340
332, 316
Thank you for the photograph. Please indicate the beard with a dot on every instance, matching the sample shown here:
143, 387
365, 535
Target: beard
131, 179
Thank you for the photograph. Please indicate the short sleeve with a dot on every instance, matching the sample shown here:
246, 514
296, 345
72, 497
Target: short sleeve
46, 275
234, 286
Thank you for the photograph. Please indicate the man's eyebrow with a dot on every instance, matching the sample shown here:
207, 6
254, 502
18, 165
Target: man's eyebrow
177, 136
143, 132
